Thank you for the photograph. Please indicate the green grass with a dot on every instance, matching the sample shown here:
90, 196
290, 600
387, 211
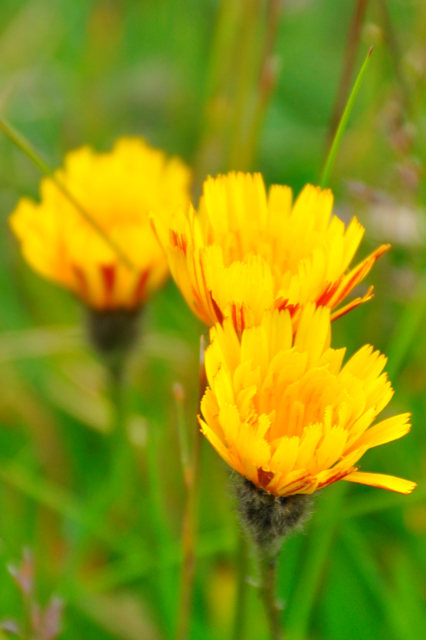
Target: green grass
87, 72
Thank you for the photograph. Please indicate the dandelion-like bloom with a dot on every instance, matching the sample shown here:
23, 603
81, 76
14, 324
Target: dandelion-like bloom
118, 190
247, 251
285, 414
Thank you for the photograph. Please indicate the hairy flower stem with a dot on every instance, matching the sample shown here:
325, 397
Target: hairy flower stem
267, 592
190, 517
241, 589
267, 520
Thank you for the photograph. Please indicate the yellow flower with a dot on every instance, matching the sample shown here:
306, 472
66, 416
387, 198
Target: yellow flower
247, 251
119, 190
284, 413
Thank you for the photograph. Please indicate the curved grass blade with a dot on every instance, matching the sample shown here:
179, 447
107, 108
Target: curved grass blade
331, 158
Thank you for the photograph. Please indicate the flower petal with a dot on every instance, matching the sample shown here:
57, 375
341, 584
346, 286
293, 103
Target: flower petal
382, 481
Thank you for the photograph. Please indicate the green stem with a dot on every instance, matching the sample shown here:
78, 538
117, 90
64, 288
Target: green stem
267, 592
164, 576
121, 451
179, 395
242, 589
190, 517
189, 532
25, 146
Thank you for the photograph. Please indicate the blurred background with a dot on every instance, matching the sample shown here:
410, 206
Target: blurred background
241, 85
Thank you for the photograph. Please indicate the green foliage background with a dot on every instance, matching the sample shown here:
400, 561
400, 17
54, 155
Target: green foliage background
82, 72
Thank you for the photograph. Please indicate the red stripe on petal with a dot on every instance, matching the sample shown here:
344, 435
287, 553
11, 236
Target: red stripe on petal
179, 241
328, 293
265, 477
108, 273
140, 290
352, 305
242, 318
217, 310
82, 288
338, 476
359, 274
282, 305
238, 318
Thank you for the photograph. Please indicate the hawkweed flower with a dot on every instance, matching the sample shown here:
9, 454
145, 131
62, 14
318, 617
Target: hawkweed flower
247, 251
119, 190
285, 414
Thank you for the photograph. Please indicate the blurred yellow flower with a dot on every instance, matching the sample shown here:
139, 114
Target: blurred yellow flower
119, 190
284, 413
247, 251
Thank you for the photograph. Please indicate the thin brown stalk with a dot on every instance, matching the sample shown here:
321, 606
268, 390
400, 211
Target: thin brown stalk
352, 42
190, 518
394, 49
212, 151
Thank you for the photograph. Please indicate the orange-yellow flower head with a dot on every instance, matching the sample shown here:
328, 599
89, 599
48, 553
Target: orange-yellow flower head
118, 190
283, 411
247, 251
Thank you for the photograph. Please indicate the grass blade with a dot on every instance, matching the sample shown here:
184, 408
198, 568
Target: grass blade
25, 146
373, 503
331, 158
363, 559
319, 545
410, 323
